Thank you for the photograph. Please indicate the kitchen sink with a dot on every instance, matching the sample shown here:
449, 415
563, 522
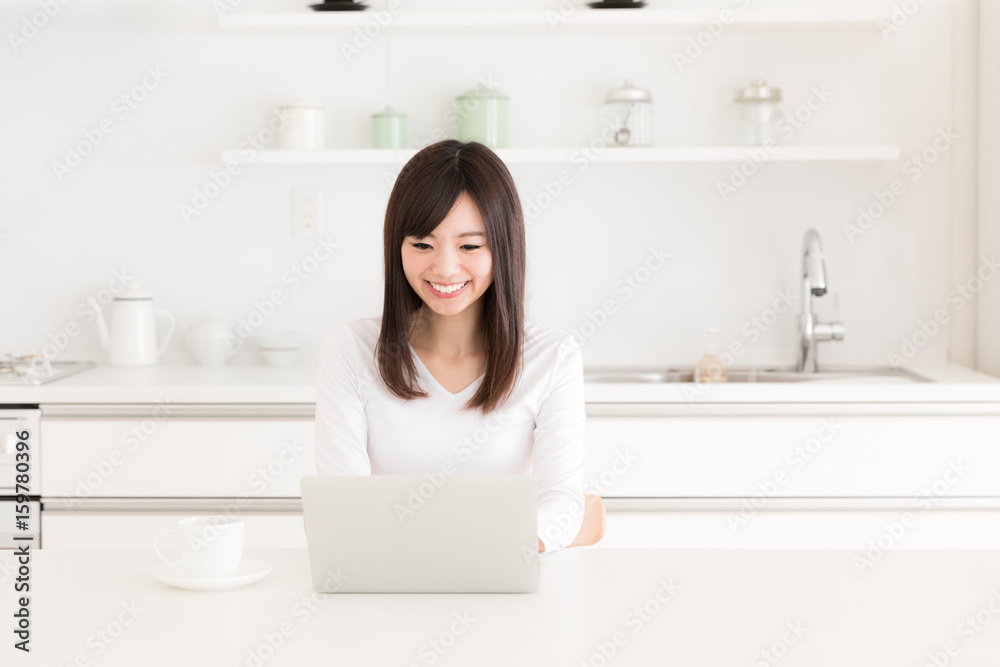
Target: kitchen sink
826, 375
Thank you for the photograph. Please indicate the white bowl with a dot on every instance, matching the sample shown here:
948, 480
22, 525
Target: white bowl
279, 357
286, 340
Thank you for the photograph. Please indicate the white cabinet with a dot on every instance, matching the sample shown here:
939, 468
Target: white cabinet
748, 476
824, 476
859, 531
834, 455
118, 474
193, 451
136, 530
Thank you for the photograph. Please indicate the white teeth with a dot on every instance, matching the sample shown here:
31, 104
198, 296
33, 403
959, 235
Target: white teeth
448, 289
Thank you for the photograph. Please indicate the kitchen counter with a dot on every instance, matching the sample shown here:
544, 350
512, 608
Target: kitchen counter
649, 606
297, 385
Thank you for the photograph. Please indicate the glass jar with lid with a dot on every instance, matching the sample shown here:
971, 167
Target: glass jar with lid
627, 116
757, 112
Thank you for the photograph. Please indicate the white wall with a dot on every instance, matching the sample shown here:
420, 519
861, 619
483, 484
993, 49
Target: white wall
989, 193
120, 207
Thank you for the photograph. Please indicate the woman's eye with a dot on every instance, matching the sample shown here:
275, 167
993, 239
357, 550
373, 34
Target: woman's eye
418, 245
470, 246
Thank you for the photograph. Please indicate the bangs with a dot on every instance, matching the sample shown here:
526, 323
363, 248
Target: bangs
435, 190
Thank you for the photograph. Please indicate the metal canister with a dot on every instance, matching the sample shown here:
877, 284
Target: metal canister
483, 117
389, 129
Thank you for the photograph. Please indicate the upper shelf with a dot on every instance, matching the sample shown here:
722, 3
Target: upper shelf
634, 154
580, 20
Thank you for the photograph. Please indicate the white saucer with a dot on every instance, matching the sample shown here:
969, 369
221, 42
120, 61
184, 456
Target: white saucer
248, 572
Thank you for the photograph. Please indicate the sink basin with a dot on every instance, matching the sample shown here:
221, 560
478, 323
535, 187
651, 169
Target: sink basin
826, 375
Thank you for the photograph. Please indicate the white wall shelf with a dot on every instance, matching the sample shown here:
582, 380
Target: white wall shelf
634, 154
582, 20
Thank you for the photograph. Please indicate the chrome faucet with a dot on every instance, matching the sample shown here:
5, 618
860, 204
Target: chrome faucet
811, 330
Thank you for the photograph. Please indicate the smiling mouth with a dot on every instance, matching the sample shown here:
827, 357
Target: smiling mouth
448, 288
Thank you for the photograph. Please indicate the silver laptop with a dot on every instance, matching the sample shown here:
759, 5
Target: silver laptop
421, 533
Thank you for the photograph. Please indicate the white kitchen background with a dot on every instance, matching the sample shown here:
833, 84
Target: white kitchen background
62, 240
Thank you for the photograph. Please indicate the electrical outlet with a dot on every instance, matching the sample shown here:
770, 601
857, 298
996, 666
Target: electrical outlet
307, 211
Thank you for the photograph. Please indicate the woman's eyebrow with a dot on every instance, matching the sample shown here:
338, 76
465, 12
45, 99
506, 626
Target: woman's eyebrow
463, 234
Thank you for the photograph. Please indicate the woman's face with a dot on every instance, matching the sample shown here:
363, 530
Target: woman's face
453, 266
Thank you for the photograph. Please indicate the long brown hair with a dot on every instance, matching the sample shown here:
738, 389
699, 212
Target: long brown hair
424, 193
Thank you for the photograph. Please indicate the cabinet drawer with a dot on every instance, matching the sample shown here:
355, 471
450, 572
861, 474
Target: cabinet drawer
857, 532
182, 457
839, 455
106, 530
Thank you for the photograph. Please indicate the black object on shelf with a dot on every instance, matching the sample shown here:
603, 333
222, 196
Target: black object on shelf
616, 4
338, 6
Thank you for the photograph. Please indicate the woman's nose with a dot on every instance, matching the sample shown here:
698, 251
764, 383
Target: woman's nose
447, 264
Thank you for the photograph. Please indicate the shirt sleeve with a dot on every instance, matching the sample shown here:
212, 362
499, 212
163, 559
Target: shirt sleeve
560, 452
341, 437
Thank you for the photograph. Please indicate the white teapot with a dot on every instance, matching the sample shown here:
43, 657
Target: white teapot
129, 337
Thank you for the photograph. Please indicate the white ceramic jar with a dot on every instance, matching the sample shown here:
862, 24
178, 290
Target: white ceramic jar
305, 125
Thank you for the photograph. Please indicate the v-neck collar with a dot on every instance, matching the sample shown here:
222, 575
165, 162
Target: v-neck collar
440, 387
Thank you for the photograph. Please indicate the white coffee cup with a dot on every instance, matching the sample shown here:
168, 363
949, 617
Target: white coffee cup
210, 546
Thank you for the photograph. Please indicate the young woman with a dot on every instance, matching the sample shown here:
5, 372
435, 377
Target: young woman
450, 379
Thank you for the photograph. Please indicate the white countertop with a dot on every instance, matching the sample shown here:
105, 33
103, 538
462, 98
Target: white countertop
297, 384
727, 607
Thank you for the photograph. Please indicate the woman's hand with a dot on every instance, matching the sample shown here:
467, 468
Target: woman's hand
541, 547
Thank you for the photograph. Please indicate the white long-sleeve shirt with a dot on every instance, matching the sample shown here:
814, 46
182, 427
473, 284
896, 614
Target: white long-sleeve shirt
363, 429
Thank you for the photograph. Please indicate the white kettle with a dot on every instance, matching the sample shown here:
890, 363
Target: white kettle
130, 337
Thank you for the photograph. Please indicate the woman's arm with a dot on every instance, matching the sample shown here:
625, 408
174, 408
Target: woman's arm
560, 452
341, 437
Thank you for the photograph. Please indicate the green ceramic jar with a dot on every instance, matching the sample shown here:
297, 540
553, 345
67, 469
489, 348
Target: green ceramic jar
389, 129
483, 117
